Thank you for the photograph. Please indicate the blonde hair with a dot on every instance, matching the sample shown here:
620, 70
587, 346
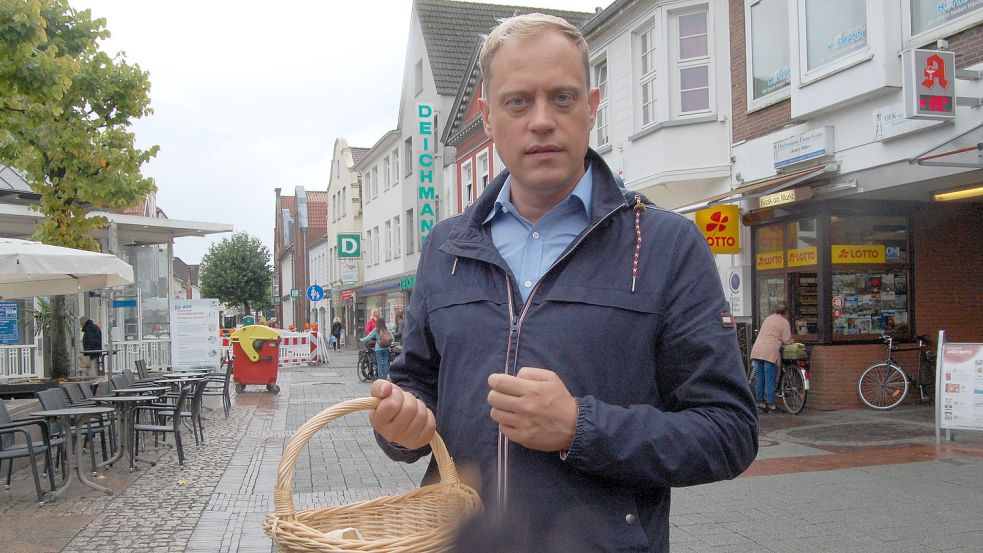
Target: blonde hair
524, 26
376, 312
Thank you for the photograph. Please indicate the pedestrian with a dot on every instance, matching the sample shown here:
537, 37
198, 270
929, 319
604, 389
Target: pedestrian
766, 355
373, 317
398, 330
91, 345
383, 340
581, 433
336, 328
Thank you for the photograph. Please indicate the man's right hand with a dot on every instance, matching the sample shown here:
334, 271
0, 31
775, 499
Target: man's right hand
400, 417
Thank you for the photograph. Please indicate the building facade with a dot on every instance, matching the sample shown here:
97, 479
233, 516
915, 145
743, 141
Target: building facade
301, 222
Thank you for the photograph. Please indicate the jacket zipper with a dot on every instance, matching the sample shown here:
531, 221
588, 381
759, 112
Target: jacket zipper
513, 352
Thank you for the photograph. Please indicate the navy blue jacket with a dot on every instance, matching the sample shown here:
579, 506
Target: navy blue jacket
661, 390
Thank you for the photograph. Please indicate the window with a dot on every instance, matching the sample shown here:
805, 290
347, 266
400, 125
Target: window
769, 70
410, 232
482, 172
467, 184
927, 15
397, 238
408, 156
647, 73
368, 247
395, 156
376, 254
834, 29
601, 82
385, 173
418, 78
344, 202
692, 59
375, 182
389, 244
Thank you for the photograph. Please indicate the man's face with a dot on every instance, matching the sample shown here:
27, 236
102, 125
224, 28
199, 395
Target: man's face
539, 111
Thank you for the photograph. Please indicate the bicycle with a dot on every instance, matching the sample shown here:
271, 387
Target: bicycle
368, 368
885, 385
791, 382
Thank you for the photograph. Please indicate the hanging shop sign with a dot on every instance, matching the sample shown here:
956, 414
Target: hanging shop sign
809, 145
769, 260
349, 271
864, 253
348, 295
720, 228
407, 283
929, 84
349, 245
802, 257
424, 148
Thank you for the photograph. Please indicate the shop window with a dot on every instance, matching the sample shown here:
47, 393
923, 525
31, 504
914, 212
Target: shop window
870, 278
928, 15
786, 261
769, 72
834, 30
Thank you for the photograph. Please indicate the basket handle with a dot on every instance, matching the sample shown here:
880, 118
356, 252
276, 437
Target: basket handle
283, 492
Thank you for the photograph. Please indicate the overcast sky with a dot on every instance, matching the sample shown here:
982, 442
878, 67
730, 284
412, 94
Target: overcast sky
249, 97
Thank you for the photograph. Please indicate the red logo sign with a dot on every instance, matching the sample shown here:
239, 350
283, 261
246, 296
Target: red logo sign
717, 219
935, 72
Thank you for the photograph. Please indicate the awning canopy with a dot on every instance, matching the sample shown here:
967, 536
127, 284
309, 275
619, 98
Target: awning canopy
969, 142
34, 269
761, 187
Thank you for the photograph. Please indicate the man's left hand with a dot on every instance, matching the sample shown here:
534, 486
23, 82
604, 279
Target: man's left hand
533, 408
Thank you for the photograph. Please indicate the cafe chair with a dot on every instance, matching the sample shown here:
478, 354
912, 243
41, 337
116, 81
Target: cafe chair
54, 398
166, 420
218, 385
11, 448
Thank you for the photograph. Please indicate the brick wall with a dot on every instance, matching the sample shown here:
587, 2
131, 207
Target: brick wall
968, 46
746, 126
836, 371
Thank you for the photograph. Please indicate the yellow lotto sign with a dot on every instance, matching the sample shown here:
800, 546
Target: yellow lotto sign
770, 260
720, 228
802, 257
863, 253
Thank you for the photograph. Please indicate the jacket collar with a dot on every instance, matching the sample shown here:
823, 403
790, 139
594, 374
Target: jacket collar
470, 238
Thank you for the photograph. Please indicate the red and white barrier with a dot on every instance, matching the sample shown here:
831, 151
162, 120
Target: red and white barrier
298, 348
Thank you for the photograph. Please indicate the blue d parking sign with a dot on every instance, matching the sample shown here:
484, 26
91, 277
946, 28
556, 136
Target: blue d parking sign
315, 293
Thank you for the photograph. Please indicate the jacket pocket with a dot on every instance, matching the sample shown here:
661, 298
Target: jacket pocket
604, 297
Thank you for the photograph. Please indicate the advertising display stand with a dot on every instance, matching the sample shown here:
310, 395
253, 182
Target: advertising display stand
958, 388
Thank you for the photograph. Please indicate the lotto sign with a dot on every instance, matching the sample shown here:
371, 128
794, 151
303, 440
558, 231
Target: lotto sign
802, 257
850, 253
720, 229
929, 84
770, 260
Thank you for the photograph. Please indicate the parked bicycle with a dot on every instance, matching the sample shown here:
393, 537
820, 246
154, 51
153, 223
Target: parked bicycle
367, 368
792, 380
885, 385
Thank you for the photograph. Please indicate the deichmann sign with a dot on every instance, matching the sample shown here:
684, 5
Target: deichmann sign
349, 245
720, 229
850, 253
426, 202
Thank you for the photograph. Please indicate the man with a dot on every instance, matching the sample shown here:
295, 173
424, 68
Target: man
571, 344
91, 345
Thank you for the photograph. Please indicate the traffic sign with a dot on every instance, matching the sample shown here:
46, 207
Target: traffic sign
315, 292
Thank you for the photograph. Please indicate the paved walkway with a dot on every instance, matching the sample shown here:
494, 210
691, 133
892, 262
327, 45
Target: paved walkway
850, 481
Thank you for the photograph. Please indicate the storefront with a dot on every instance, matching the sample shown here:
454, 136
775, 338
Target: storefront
388, 295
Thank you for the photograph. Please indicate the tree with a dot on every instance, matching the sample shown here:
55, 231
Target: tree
236, 271
65, 112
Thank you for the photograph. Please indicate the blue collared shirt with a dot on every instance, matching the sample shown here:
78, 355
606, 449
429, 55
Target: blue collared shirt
530, 249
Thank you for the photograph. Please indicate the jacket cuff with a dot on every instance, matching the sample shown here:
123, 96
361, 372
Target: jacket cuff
399, 453
585, 422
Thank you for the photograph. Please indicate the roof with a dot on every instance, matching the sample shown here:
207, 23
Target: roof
604, 16
450, 29
358, 154
10, 179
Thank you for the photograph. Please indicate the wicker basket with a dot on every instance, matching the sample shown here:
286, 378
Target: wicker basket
423, 520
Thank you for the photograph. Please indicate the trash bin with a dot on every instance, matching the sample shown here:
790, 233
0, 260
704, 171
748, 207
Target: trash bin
256, 351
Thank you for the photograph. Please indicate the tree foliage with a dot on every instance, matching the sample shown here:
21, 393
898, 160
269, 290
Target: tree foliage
65, 113
236, 271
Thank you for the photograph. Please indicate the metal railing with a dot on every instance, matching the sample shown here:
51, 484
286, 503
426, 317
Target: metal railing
157, 354
18, 362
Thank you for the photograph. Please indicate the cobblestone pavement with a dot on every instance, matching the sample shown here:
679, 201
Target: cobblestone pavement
848, 481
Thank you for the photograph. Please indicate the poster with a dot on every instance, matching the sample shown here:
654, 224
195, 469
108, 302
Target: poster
194, 335
9, 333
962, 386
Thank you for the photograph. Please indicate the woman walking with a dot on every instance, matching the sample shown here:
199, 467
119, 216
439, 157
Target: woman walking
765, 356
383, 339
336, 327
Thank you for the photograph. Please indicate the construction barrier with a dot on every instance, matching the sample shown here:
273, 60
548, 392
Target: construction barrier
298, 348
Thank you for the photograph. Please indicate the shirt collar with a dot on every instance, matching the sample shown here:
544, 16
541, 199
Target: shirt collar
583, 192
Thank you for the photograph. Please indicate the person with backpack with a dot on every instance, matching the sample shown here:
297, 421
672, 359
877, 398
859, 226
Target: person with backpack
383, 340
336, 327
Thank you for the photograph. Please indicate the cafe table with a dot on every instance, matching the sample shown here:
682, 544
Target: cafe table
125, 405
64, 416
142, 390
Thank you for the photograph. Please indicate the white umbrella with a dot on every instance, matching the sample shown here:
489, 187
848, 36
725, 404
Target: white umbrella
30, 269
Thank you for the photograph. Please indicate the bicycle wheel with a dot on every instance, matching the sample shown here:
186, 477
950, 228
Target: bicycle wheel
364, 368
793, 390
927, 381
883, 386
